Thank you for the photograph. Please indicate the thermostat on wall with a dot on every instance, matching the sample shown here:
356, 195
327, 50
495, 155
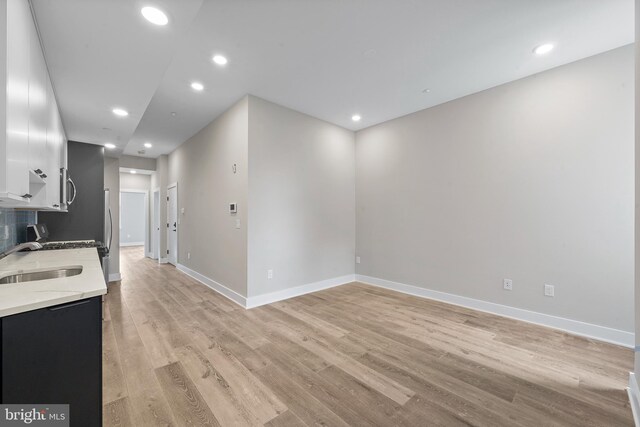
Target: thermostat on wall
233, 208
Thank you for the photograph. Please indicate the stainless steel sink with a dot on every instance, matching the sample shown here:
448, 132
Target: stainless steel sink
30, 276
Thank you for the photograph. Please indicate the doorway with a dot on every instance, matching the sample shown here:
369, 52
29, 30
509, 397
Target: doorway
172, 224
134, 230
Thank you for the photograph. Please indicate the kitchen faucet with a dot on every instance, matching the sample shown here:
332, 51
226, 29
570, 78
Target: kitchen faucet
29, 245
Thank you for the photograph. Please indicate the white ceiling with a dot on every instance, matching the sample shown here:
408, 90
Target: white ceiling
103, 54
329, 58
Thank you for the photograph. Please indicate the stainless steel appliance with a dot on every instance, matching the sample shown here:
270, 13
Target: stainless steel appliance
39, 234
108, 233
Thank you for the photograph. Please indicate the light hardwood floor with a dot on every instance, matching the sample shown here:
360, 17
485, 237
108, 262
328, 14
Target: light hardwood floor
177, 353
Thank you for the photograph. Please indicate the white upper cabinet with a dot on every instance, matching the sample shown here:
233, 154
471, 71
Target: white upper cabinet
14, 170
34, 145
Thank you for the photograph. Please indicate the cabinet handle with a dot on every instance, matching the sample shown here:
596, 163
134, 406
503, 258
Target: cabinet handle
27, 196
38, 171
69, 305
55, 205
73, 185
44, 175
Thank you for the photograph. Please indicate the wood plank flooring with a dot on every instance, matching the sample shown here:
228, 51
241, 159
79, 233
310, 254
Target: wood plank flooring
177, 353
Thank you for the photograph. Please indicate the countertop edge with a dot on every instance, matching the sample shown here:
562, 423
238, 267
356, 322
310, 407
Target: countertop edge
51, 302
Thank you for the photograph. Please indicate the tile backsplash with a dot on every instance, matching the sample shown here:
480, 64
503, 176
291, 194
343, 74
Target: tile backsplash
13, 227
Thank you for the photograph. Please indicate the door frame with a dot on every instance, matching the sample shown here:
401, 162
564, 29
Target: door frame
146, 215
170, 186
155, 233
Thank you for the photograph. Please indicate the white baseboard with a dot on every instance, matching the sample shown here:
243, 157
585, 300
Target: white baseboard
123, 245
634, 394
221, 289
115, 277
298, 290
163, 261
269, 298
575, 327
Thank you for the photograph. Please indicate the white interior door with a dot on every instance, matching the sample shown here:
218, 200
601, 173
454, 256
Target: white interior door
172, 225
155, 235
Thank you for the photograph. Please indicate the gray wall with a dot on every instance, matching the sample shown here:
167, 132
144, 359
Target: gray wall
138, 181
133, 218
135, 162
112, 182
202, 167
532, 180
13, 227
301, 198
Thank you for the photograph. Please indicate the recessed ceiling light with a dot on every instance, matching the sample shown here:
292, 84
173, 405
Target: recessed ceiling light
197, 86
426, 90
120, 112
356, 118
110, 146
543, 48
173, 114
220, 60
148, 144
134, 172
155, 16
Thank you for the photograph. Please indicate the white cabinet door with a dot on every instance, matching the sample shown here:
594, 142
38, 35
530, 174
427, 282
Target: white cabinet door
54, 140
38, 118
34, 137
37, 105
16, 166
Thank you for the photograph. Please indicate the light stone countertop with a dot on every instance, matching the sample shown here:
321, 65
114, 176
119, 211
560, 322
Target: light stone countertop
20, 297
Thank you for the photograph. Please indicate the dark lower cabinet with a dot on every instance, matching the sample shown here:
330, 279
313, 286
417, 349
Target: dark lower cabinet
54, 356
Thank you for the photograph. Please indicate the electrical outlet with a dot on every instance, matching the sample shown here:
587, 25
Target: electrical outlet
357, 260
269, 274
508, 284
188, 255
549, 290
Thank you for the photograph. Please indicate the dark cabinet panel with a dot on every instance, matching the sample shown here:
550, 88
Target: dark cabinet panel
54, 355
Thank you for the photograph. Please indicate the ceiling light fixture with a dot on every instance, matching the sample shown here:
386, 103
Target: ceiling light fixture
109, 146
120, 112
543, 49
220, 60
356, 118
155, 16
148, 144
133, 172
426, 90
197, 86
